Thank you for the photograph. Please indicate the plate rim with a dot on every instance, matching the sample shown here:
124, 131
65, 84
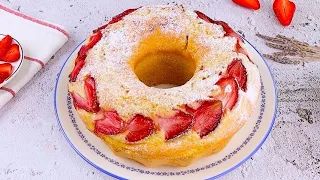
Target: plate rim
213, 177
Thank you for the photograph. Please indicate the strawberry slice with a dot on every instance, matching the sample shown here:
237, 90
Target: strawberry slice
241, 50
204, 17
139, 128
12, 55
251, 4
176, 125
120, 16
82, 55
111, 124
90, 103
5, 71
284, 10
93, 39
90, 89
117, 18
80, 102
189, 109
77, 68
5, 44
229, 31
229, 92
207, 117
237, 70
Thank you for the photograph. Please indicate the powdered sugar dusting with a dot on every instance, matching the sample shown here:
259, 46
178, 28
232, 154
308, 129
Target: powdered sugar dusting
117, 85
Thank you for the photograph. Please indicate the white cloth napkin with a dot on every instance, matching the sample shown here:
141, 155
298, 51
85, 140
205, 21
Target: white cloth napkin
39, 39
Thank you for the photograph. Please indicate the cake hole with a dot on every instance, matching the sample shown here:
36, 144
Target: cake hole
165, 69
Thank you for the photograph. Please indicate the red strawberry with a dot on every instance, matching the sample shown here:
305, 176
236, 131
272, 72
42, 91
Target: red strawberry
207, 117
239, 49
117, 18
204, 17
229, 92
284, 10
237, 70
77, 68
12, 55
176, 125
80, 102
189, 109
111, 124
139, 128
89, 103
251, 4
90, 89
82, 55
5, 44
229, 31
121, 15
5, 71
93, 39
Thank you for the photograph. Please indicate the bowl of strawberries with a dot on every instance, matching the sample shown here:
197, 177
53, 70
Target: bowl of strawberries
11, 56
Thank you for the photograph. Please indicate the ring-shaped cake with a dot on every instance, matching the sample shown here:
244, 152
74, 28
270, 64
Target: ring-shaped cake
163, 85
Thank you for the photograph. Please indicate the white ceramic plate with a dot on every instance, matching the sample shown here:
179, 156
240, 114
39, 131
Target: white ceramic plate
16, 65
241, 147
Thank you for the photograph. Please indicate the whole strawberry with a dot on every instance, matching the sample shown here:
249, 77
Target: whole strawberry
251, 4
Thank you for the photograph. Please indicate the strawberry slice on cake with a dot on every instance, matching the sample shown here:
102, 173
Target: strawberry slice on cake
90, 103
110, 124
229, 92
237, 70
82, 55
207, 117
176, 125
139, 128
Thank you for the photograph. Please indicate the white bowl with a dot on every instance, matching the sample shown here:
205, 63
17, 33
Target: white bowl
16, 65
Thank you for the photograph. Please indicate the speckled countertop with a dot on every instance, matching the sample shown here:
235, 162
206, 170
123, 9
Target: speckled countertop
32, 147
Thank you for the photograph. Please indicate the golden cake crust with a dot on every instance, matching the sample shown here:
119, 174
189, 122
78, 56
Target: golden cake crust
212, 52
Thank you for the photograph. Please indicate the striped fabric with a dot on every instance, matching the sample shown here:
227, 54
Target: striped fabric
31, 33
